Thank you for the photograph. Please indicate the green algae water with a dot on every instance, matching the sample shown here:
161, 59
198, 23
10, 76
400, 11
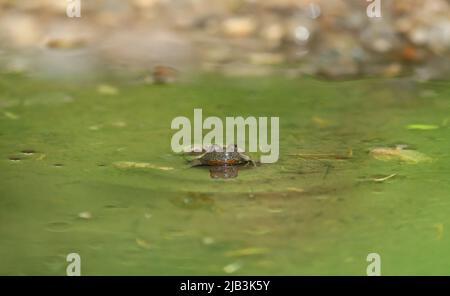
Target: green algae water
309, 213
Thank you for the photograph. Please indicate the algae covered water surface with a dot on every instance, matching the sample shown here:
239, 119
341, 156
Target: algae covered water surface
89, 169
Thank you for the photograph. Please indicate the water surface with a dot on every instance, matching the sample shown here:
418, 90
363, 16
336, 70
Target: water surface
297, 216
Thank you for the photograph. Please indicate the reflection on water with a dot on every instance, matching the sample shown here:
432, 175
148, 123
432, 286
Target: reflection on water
223, 172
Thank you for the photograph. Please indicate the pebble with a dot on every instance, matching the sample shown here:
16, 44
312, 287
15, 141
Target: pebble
239, 27
261, 33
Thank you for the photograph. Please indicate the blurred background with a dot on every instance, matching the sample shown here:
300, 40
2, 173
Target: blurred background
332, 39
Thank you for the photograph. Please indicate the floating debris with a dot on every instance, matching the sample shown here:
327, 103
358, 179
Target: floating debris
139, 165
11, 115
399, 153
382, 179
106, 89
321, 122
258, 232
143, 243
247, 252
378, 178
275, 211
85, 215
208, 240
58, 165
95, 127
439, 230
233, 267
422, 126
42, 156
296, 189
119, 124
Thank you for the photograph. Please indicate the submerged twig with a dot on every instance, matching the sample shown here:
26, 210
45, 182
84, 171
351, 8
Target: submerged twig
384, 178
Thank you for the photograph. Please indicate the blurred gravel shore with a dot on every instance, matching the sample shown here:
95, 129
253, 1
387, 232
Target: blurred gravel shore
332, 39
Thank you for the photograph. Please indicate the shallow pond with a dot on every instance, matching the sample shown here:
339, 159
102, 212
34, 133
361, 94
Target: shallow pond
60, 191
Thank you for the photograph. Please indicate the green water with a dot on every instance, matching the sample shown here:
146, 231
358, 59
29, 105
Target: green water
293, 217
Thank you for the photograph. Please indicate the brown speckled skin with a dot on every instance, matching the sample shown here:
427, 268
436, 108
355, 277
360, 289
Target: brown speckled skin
215, 158
222, 158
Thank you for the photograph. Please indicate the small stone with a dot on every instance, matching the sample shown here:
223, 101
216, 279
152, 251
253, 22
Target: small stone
20, 29
392, 70
301, 34
239, 27
164, 74
419, 36
273, 34
314, 10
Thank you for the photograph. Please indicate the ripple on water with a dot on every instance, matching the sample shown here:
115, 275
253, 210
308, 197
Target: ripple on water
28, 151
58, 226
15, 158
